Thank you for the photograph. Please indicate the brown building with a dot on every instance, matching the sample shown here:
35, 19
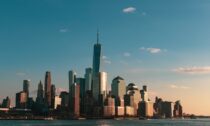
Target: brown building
109, 107
74, 100
47, 89
21, 100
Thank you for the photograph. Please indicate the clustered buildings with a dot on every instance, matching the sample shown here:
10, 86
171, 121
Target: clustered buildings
88, 97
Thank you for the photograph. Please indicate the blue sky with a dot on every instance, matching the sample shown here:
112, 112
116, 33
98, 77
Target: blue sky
161, 43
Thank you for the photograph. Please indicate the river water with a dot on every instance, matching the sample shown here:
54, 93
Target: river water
125, 122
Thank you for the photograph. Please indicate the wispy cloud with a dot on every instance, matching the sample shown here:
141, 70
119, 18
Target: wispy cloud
129, 10
104, 57
173, 86
153, 50
106, 60
20, 74
126, 54
193, 70
63, 30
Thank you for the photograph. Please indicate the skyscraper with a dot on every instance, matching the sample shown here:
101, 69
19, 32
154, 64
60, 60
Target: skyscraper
53, 94
88, 78
100, 87
26, 84
96, 57
47, 89
72, 77
118, 87
74, 103
21, 100
40, 93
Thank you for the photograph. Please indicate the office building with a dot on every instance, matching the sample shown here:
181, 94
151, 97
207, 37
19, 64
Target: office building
40, 93
6, 102
26, 84
57, 102
64, 99
118, 87
48, 89
74, 100
168, 108
53, 94
133, 90
178, 112
88, 78
109, 107
21, 100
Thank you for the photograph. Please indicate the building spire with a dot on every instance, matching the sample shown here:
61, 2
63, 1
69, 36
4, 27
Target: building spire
97, 36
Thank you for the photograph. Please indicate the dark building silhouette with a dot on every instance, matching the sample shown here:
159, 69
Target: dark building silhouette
21, 100
6, 102
96, 57
64, 99
53, 94
26, 84
89, 104
109, 107
178, 112
81, 83
88, 78
40, 93
47, 89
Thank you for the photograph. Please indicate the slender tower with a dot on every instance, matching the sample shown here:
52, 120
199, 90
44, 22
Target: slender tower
96, 56
96, 68
47, 89
26, 84
40, 93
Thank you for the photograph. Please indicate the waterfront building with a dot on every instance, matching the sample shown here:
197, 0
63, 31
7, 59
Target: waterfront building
6, 102
168, 108
129, 111
146, 109
53, 94
81, 82
64, 99
178, 112
21, 100
89, 104
109, 107
47, 88
133, 90
74, 102
100, 88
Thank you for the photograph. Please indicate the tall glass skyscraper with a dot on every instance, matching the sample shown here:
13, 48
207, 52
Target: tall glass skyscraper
96, 68
96, 57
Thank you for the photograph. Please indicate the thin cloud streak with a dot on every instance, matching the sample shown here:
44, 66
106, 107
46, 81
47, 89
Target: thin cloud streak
193, 70
173, 86
153, 50
126, 54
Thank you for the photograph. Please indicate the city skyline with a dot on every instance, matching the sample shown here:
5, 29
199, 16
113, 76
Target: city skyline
173, 62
